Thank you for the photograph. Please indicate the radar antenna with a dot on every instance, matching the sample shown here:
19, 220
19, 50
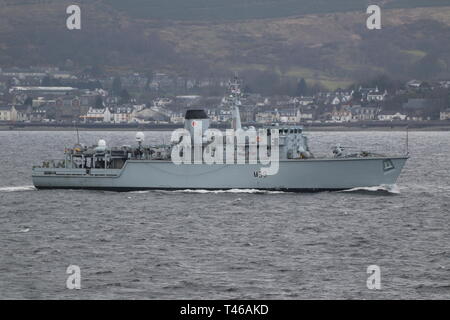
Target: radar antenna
78, 134
234, 87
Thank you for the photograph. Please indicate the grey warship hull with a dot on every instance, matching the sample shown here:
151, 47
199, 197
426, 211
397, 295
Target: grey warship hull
294, 175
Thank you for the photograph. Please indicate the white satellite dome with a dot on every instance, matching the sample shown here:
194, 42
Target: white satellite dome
140, 137
101, 146
101, 143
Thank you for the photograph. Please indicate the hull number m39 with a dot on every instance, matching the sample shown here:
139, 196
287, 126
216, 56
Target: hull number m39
259, 174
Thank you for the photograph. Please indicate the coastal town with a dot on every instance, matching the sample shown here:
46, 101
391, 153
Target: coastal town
50, 96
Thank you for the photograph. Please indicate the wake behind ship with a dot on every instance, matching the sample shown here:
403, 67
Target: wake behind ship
144, 167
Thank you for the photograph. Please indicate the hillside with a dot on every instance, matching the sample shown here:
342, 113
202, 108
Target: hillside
219, 10
334, 49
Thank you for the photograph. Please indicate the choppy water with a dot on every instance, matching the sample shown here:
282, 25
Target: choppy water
199, 244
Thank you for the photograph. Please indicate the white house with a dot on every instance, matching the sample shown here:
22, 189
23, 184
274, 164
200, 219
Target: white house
290, 116
364, 113
15, 113
376, 95
445, 115
336, 101
122, 115
391, 116
303, 101
98, 115
341, 116
177, 118
306, 116
7, 113
414, 84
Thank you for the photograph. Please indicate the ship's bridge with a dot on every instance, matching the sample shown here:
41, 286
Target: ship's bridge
293, 143
285, 130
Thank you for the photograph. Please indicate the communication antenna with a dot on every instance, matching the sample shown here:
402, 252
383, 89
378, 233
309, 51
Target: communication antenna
76, 126
78, 134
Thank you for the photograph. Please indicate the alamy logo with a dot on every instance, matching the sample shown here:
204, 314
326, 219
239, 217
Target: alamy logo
74, 279
374, 280
374, 20
74, 20
235, 147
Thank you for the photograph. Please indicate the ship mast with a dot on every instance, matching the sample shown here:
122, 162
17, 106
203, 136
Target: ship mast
235, 98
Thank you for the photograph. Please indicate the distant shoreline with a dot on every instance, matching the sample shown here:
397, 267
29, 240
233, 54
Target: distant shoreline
360, 126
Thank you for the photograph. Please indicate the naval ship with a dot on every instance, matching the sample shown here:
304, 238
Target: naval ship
146, 167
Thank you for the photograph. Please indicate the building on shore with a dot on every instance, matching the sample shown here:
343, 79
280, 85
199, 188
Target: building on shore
122, 115
97, 115
361, 113
15, 113
445, 115
39, 91
391, 116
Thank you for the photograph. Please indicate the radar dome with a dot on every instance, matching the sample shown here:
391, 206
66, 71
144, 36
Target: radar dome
140, 137
101, 143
